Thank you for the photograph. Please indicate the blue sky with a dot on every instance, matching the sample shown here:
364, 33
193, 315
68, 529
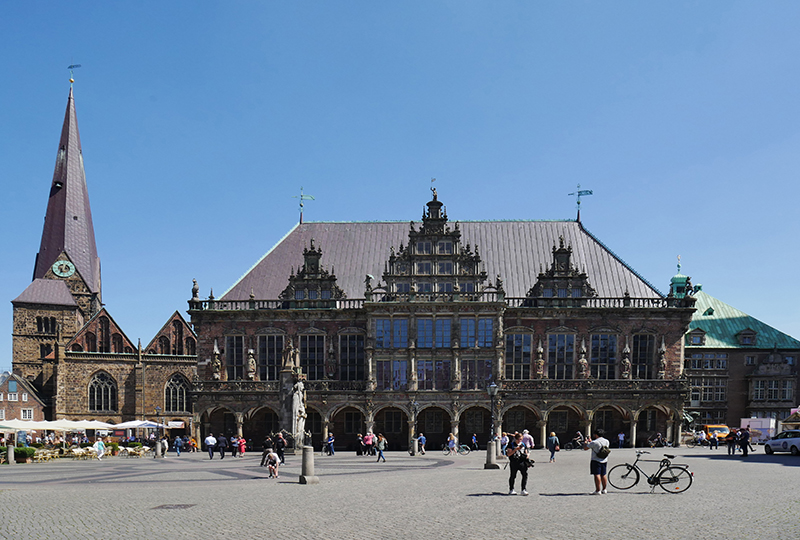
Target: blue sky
201, 120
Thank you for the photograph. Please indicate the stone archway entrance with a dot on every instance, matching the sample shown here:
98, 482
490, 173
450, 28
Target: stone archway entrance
520, 418
346, 424
434, 423
650, 422
220, 421
393, 423
612, 421
565, 421
474, 421
258, 425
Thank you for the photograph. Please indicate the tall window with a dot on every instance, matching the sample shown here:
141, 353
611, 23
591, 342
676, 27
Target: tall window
270, 349
518, 356
353, 422
443, 333
560, 356
105, 335
190, 347
312, 356
425, 378
46, 325
644, 347
234, 356
391, 333
175, 394
163, 345
425, 333
475, 373
91, 342
485, 332
351, 357
468, 332
102, 393
177, 337
116, 343
391, 374
604, 356
390, 421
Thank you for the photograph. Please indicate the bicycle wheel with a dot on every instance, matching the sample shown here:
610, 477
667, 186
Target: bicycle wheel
568, 446
675, 479
623, 476
691, 444
463, 450
445, 449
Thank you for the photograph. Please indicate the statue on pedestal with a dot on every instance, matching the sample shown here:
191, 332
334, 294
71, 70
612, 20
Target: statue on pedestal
251, 365
299, 412
289, 353
216, 364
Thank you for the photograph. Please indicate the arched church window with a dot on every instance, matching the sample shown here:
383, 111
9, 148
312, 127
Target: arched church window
163, 345
76, 347
105, 335
175, 394
177, 337
190, 347
91, 342
116, 343
102, 393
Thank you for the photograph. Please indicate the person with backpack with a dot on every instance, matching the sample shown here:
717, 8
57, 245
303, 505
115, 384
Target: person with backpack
222, 444
598, 465
518, 461
178, 445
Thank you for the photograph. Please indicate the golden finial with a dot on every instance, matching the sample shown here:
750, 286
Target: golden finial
72, 69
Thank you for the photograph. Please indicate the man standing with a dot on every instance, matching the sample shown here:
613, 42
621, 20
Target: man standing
178, 445
744, 440
210, 442
517, 454
421, 440
222, 444
598, 465
330, 442
621, 439
280, 446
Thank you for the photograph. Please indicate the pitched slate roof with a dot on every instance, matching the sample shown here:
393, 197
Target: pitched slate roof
516, 250
46, 291
722, 323
68, 223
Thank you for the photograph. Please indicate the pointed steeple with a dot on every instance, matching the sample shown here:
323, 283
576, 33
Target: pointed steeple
68, 222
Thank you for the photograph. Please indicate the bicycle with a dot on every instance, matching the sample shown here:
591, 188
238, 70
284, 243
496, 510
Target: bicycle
462, 449
671, 478
574, 444
694, 441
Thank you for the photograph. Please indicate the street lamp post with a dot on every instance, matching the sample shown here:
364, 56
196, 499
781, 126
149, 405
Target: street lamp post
492, 390
414, 443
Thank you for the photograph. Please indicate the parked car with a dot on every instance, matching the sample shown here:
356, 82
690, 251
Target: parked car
786, 441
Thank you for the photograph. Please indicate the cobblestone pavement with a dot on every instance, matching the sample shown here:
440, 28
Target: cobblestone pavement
407, 497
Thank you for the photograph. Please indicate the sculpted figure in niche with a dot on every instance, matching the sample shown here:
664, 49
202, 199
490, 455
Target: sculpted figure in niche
251, 365
216, 363
289, 354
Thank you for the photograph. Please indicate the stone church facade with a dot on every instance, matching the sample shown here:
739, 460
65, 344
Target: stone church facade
66, 344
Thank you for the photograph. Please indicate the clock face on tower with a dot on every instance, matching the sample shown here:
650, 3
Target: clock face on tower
63, 269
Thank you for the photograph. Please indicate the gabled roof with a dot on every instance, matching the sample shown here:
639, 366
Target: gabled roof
724, 323
46, 291
91, 325
515, 250
26, 387
68, 223
167, 328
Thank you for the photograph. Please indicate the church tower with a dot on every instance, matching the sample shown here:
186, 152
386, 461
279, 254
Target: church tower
66, 287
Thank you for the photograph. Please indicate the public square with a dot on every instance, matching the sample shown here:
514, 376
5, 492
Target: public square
430, 496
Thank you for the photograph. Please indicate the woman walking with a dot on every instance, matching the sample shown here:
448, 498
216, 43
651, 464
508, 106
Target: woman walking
381, 447
553, 445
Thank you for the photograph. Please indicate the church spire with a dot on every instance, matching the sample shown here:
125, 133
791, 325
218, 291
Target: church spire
68, 223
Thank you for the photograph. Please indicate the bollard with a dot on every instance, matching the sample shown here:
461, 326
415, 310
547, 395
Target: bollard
10, 445
415, 446
491, 461
307, 471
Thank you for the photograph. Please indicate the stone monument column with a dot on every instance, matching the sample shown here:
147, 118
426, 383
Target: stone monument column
633, 433
239, 418
542, 432
454, 429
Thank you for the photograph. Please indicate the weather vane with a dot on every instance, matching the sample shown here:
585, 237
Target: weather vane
72, 69
302, 198
581, 193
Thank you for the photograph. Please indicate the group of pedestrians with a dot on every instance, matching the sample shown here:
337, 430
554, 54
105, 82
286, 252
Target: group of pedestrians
374, 445
738, 438
237, 445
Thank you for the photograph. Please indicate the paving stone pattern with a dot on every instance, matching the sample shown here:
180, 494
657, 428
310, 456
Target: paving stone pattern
429, 496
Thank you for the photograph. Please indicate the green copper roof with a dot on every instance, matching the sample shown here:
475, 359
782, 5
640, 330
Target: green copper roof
722, 323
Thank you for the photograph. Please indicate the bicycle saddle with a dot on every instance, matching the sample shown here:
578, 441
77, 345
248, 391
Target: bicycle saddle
669, 456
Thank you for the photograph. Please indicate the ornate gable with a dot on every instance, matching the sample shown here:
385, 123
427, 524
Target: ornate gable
101, 334
434, 262
176, 337
313, 285
562, 279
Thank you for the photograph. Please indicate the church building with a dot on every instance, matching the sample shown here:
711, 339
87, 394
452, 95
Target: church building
66, 344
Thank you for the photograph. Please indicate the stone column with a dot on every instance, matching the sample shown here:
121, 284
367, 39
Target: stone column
370, 425
413, 383
307, 474
455, 366
491, 452
412, 438
587, 429
633, 433
370, 371
542, 433
499, 365
454, 429
326, 426
669, 432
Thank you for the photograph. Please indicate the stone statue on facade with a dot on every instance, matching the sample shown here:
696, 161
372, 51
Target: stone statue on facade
540, 361
583, 364
662, 361
625, 364
251, 365
195, 291
216, 363
299, 412
289, 354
